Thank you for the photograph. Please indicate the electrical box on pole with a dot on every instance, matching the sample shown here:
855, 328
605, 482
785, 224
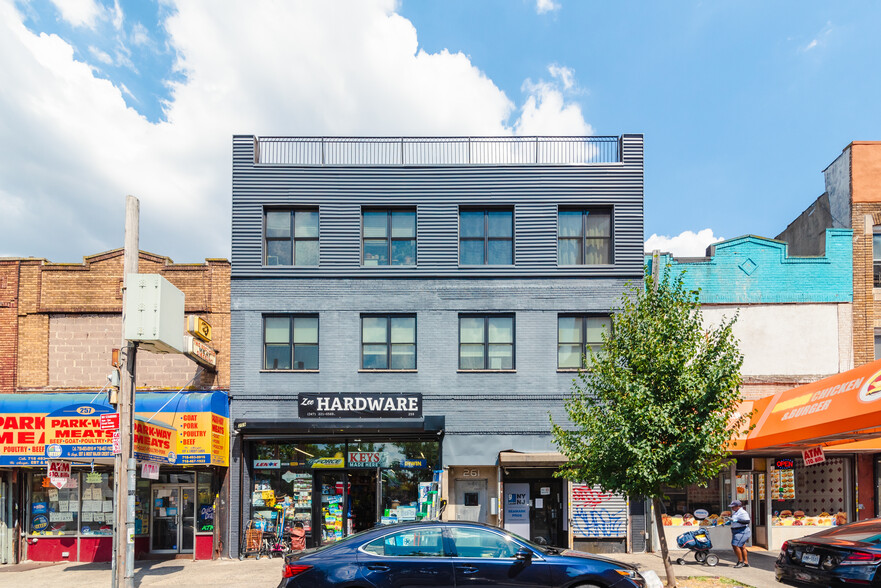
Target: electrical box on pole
154, 314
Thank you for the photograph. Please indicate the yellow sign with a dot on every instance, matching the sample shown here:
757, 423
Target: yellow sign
199, 327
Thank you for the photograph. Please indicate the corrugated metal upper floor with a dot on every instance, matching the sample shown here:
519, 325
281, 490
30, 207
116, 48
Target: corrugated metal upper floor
534, 192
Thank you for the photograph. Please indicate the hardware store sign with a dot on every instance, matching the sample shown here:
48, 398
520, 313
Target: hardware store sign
351, 405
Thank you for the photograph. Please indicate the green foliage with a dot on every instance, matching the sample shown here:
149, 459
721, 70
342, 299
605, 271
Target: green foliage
657, 407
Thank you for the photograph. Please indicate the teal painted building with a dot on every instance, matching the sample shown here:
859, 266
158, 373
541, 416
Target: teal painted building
757, 270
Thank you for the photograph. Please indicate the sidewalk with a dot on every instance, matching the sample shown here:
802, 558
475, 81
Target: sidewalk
266, 573
760, 572
226, 573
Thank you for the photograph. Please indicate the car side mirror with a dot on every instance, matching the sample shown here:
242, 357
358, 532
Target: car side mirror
523, 555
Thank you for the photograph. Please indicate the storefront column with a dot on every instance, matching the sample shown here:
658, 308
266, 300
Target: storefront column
733, 473
769, 504
865, 478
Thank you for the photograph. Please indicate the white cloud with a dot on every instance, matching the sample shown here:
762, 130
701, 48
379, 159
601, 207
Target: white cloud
70, 148
543, 6
564, 74
140, 37
118, 16
820, 39
101, 56
685, 244
79, 13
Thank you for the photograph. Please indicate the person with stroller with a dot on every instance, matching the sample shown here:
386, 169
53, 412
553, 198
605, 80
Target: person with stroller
740, 533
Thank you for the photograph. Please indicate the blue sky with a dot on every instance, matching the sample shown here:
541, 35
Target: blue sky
742, 103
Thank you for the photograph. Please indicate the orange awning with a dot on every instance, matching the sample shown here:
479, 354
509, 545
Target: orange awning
756, 407
842, 408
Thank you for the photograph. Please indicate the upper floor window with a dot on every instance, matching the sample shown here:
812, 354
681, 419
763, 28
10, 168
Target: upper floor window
291, 237
486, 342
290, 342
486, 237
389, 237
584, 237
388, 342
575, 335
876, 256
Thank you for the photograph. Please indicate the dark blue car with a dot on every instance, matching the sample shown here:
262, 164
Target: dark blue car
449, 554
837, 556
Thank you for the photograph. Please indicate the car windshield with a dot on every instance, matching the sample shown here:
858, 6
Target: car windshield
546, 549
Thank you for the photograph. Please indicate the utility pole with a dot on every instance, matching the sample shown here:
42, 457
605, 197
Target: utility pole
124, 464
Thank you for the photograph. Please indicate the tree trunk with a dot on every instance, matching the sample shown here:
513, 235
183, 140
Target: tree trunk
659, 525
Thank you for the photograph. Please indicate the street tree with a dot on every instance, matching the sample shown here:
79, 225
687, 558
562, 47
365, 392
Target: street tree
656, 407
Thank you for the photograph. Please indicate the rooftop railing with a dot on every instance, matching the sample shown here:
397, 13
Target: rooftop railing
437, 150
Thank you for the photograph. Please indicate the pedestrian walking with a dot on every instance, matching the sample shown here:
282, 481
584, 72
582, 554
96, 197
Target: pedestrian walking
740, 533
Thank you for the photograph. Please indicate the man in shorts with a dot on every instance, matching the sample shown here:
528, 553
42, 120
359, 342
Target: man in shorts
740, 533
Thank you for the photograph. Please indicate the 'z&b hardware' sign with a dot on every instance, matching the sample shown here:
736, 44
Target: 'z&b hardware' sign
349, 405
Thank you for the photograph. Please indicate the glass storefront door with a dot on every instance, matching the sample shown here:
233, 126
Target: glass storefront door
174, 511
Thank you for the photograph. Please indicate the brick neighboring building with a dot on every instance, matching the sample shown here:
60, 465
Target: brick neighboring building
60, 321
852, 200
58, 325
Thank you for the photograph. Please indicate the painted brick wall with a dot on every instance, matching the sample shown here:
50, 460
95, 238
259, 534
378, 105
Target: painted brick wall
751, 269
471, 402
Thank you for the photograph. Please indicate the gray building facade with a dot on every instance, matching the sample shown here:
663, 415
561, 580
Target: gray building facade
406, 315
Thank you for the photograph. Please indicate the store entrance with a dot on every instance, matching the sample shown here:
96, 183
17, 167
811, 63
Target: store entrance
351, 508
174, 518
363, 501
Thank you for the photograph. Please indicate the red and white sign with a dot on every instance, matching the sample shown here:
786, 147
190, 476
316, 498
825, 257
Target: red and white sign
59, 473
150, 470
813, 456
109, 421
117, 444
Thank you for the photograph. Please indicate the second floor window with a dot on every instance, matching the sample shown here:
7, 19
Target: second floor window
290, 342
584, 236
388, 237
388, 342
486, 342
486, 237
575, 335
291, 237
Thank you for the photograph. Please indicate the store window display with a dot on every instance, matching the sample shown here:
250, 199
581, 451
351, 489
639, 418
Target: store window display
318, 493
96, 517
53, 511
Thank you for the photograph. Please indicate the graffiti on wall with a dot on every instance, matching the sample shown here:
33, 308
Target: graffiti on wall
596, 513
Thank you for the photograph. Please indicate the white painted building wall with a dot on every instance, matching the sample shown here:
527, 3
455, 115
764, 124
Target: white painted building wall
790, 339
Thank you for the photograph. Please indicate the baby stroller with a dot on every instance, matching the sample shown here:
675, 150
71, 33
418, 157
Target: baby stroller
698, 542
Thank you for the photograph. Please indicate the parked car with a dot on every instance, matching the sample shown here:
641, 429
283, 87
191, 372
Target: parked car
847, 554
448, 554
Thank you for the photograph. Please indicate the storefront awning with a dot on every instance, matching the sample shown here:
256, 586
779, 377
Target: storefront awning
185, 428
299, 428
840, 409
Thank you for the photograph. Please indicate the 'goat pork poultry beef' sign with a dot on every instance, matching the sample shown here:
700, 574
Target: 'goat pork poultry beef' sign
350, 405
